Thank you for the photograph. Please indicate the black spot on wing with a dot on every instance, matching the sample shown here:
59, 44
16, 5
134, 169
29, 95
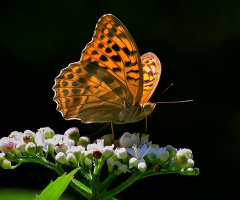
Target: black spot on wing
116, 58
108, 50
116, 69
115, 47
126, 51
128, 64
94, 52
103, 58
100, 45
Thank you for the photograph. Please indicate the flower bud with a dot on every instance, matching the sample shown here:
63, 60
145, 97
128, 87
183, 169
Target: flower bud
28, 136
73, 134
164, 155
71, 158
60, 157
97, 154
30, 148
125, 140
6, 164
157, 168
182, 156
30, 133
2, 157
142, 166
135, 138
88, 154
107, 153
144, 139
108, 139
121, 167
21, 146
153, 159
172, 151
133, 162
188, 164
173, 165
83, 141
9, 156
121, 153
110, 162
6, 144
88, 162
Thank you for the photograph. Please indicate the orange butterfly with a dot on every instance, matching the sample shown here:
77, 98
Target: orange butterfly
111, 82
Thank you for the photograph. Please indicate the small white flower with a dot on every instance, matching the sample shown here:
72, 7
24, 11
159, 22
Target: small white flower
16, 136
138, 152
48, 132
76, 150
6, 144
105, 150
58, 143
71, 136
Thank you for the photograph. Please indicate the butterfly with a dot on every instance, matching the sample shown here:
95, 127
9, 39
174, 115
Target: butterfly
111, 82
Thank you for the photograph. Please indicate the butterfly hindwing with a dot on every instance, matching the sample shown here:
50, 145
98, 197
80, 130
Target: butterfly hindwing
83, 89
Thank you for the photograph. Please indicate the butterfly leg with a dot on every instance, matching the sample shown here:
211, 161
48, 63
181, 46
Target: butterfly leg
98, 130
112, 130
146, 125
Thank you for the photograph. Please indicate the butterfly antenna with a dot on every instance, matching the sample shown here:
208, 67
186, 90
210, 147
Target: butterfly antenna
165, 90
99, 130
185, 101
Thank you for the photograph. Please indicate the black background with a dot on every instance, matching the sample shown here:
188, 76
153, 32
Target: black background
198, 45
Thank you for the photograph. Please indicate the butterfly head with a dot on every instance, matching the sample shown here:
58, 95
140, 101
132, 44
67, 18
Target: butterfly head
148, 108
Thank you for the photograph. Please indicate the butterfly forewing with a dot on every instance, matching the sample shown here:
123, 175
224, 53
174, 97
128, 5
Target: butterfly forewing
113, 48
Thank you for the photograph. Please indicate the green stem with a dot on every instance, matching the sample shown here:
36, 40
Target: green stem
130, 181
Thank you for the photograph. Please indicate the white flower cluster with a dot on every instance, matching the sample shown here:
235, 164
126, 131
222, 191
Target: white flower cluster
129, 154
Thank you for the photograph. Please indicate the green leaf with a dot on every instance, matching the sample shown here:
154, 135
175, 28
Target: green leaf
55, 189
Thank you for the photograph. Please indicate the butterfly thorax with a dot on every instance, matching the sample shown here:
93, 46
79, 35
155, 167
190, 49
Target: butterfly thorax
135, 113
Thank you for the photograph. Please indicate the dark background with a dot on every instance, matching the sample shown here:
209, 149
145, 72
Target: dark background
198, 45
